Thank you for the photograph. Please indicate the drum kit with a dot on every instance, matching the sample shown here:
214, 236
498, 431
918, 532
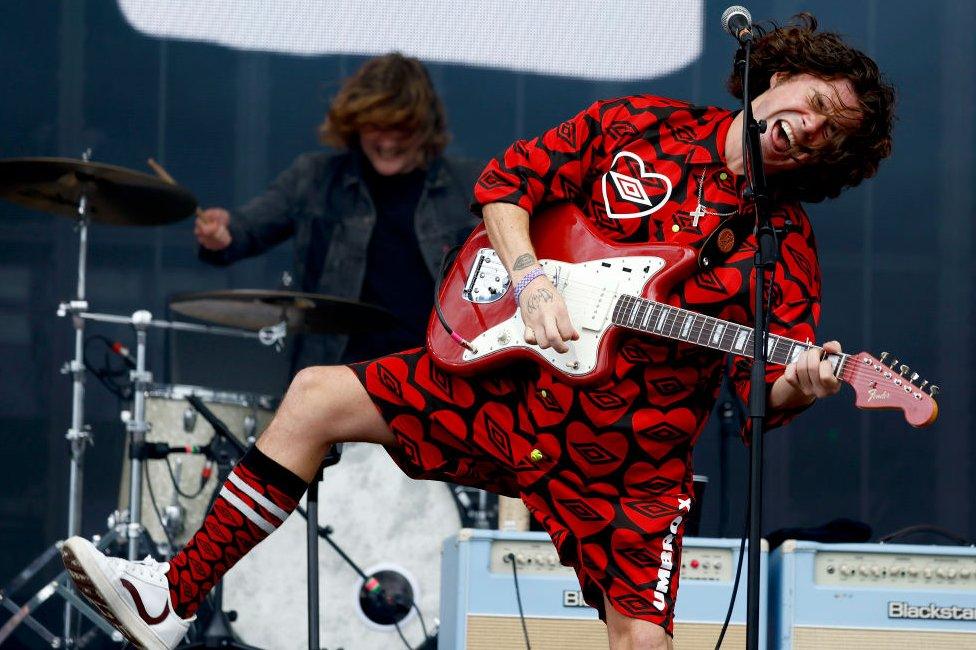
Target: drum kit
177, 433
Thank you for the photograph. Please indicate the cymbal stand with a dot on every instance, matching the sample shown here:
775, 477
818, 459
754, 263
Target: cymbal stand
137, 428
79, 435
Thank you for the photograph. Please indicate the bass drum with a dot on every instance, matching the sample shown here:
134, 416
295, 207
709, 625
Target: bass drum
385, 522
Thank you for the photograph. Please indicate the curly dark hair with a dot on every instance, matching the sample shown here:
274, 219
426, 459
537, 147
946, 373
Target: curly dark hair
392, 91
854, 150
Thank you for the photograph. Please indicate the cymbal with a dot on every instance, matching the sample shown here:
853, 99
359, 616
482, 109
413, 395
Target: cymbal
115, 195
253, 309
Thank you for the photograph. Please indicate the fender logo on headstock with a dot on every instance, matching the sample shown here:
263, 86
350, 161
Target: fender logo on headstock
876, 394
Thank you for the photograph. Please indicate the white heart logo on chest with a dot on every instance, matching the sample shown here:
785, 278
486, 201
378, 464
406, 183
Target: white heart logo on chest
632, 190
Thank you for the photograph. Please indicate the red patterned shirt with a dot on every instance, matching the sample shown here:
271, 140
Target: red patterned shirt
637, 167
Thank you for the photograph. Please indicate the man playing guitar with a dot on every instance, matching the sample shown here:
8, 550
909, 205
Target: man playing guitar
604, 467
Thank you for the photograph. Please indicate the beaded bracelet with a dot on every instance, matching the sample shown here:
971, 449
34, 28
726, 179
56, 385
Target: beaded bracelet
537, 272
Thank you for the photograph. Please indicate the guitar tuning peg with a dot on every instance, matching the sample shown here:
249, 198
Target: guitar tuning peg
903, 370
884, 355
893, 364
915, 377
922, 385
934, 390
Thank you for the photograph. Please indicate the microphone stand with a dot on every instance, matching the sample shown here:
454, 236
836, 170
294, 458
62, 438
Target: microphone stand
225, 449
765, 260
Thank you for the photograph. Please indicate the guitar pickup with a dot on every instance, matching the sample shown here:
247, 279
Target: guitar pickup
600, 295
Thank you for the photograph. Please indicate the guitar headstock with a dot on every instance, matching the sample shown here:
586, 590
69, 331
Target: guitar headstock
889, 384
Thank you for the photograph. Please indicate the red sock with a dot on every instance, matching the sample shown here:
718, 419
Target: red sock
258, 496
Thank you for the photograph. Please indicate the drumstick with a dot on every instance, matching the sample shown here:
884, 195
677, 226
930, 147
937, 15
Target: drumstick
164, 175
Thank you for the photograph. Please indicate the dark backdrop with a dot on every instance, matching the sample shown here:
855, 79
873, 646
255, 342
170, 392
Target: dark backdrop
896, 252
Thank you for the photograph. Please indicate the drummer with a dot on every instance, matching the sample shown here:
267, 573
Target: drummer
371, 218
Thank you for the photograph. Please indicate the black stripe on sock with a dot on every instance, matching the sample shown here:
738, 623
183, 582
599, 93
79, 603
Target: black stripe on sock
274, 472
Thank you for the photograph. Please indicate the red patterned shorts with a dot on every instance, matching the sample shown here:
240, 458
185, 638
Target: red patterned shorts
615, 514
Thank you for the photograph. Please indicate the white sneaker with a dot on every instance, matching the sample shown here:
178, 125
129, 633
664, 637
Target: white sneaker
133, 596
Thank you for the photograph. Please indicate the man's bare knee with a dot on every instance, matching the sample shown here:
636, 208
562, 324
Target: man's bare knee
314, 381
634, 634
324, 405
333, 406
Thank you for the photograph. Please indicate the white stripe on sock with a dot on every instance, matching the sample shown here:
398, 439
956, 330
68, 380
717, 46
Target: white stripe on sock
246, 510
261, 500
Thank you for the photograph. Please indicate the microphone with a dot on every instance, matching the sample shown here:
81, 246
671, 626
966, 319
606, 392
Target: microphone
123, 352
737, 20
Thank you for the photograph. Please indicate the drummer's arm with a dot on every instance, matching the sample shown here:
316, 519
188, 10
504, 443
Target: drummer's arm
266, 220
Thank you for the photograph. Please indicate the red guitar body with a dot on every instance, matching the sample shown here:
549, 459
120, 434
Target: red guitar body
560, 234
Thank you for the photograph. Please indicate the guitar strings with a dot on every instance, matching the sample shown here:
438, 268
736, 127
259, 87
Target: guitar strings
581, 293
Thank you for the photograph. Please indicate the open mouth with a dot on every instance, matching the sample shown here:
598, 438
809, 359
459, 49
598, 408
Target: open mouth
782, 136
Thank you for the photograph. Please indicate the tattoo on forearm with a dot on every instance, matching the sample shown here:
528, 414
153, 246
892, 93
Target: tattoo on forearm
523, 262
537, 298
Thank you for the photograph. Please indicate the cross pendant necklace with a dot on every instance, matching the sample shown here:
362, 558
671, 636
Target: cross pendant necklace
700, 210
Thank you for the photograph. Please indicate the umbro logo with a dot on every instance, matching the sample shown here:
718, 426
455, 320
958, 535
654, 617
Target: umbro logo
631, 190
141, 607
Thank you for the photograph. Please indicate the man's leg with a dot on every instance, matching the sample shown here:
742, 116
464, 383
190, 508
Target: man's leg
323, 406
633, 633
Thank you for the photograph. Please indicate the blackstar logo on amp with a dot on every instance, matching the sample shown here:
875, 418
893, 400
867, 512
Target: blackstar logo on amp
573, 598
930, 612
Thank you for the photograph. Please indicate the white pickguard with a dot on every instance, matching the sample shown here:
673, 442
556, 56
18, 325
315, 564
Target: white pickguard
590, 290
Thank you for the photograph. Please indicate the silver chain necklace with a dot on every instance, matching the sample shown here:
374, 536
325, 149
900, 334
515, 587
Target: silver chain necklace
700, 211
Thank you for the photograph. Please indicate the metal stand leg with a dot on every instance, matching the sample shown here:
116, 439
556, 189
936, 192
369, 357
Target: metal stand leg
60, 585
78, 435
137, 429
312, 538
312, 530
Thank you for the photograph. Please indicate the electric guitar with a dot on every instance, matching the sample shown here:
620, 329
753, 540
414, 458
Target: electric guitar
612, 288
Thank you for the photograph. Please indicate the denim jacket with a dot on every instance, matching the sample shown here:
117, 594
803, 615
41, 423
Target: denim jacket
322, 197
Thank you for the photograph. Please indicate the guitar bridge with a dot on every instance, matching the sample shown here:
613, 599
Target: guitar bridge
488, 280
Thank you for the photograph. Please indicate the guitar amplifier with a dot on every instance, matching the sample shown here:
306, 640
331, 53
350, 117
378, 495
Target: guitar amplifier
479, 610
867, 596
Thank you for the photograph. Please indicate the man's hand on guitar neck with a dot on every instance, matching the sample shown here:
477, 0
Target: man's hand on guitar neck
809, 377
547, 322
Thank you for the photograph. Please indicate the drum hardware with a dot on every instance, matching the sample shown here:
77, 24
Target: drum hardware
475, 513
312, 530
176, 423
118, 531
294, 311
87, 191
125, 526
386, 596
271, 335
173, 517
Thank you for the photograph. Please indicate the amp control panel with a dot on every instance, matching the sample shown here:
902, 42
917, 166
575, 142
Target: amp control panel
901, 571
540, 557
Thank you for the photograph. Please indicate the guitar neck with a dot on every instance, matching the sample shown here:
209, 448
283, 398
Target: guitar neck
671, 322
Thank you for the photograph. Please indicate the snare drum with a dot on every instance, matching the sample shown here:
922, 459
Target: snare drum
172, 420
384, 521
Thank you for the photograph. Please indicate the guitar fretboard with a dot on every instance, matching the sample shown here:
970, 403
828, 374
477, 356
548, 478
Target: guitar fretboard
676, 323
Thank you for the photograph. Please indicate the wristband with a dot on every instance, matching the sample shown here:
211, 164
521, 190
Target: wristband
537, 272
